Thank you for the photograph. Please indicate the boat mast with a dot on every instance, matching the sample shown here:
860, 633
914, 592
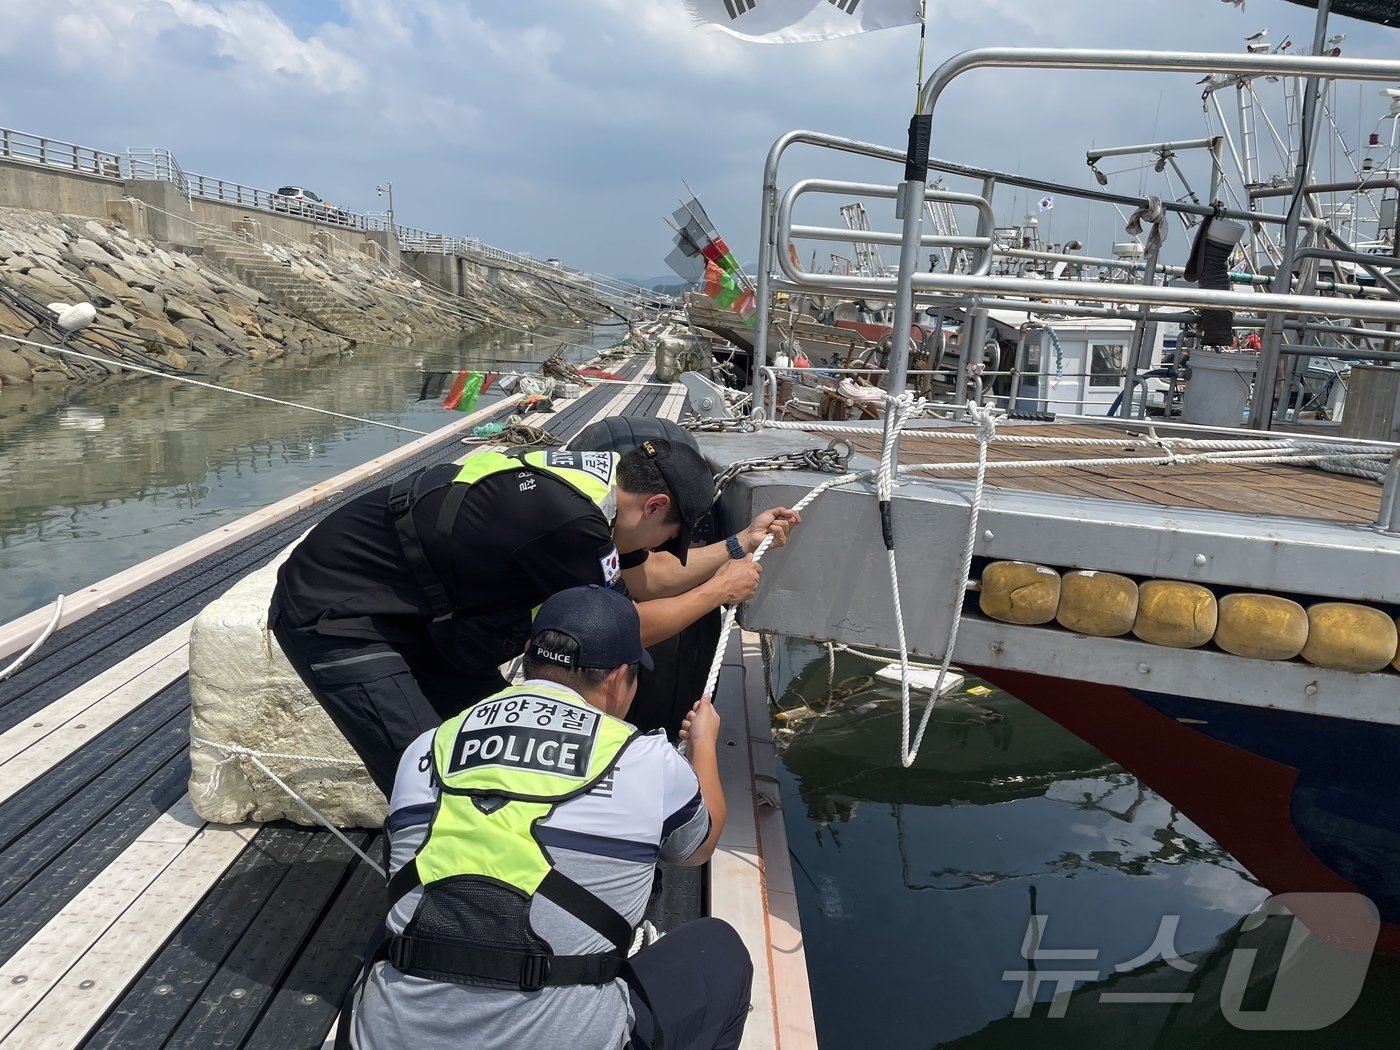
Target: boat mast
1261, 408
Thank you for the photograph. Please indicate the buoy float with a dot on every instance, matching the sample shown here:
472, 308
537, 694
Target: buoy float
1175, 613
1102, 604
1019, 592
1261, 626
1349, 637
1396, 662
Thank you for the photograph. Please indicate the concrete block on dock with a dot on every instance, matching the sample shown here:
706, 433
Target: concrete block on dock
245, 695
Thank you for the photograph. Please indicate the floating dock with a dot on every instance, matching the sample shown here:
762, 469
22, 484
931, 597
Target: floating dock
127, 921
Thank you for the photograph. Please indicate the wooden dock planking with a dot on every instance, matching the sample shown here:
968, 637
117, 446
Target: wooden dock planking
79, 999
35, 969
35, 746
794, 1024
736, 869
751, 883
1300, 492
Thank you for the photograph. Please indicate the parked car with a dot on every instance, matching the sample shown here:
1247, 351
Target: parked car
301, 201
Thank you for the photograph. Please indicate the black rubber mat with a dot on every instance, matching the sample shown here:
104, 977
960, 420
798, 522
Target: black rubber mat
279, 889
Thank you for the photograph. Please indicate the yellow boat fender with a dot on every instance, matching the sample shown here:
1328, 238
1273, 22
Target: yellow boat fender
1102, 604
1019, 592
1261, 626
1396, 662
1175, 613
1349, 637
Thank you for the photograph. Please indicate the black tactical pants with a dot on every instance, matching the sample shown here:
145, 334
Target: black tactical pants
381, 697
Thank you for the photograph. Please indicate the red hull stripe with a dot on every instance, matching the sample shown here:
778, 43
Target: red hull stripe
1240, 799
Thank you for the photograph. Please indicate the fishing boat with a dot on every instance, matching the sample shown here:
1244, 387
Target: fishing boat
1211, 600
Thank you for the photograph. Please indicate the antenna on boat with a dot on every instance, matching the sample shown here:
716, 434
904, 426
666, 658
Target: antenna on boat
1261, 409
923, 30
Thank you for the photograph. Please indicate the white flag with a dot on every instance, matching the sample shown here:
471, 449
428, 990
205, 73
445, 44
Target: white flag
796, 21
1046, 203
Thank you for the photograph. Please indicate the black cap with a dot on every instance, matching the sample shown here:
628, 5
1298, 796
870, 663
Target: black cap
602, 624
689, 483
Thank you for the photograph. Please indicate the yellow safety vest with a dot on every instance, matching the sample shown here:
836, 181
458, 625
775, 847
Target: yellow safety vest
593, 474
502, 766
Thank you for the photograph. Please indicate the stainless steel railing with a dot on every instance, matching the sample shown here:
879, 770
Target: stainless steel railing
55, 153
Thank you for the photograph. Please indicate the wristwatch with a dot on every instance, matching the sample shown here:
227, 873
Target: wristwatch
736, 549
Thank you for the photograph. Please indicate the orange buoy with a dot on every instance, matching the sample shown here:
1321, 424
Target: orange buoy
1175, 613
1019, 592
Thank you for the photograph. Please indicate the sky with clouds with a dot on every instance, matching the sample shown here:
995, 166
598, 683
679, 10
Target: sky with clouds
565, 129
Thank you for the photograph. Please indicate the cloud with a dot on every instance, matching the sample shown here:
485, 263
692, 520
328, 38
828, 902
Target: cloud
121, 37
565, 130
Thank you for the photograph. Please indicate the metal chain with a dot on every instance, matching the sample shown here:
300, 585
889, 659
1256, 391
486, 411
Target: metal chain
829, 460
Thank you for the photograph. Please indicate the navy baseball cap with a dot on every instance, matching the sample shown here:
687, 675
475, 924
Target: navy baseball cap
602, 624
689, 483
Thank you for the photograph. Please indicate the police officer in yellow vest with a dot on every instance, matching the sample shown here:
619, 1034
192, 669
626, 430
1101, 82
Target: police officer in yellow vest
522, 838
397, 609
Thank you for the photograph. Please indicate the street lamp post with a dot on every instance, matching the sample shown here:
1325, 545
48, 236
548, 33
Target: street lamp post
388, 187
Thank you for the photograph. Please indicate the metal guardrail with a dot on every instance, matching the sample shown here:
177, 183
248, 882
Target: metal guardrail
54, 153
157, 165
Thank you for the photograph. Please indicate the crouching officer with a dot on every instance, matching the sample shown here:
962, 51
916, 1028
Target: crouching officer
397, 609
522, 836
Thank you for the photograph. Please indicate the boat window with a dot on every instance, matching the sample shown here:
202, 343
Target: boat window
1030, 369
1106, 364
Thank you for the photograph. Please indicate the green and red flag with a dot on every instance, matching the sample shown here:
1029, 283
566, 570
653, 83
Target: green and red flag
694, 223
746, 306
718, 253
466, 388
721, 286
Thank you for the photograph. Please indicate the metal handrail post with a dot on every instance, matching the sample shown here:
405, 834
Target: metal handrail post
1389, 517
1135, 345
1261, 408
911, 199
1148, 61
765, 266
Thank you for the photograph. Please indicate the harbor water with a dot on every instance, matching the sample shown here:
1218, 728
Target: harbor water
948, 904
99, 477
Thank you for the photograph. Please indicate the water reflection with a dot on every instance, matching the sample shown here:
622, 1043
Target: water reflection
923, 890
100, 477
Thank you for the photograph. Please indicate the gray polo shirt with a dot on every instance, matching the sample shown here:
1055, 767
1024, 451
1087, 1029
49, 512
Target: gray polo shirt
608, 840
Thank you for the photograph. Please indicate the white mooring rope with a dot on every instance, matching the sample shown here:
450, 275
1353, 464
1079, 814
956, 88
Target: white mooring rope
53, 622
232, 751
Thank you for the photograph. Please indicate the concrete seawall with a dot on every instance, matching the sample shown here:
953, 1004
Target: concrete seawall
186, 285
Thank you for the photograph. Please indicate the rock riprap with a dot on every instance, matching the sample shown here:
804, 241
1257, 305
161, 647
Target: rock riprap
237, 299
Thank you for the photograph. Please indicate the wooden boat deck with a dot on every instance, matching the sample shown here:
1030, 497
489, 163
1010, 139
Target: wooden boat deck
128, 921
1292, 491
